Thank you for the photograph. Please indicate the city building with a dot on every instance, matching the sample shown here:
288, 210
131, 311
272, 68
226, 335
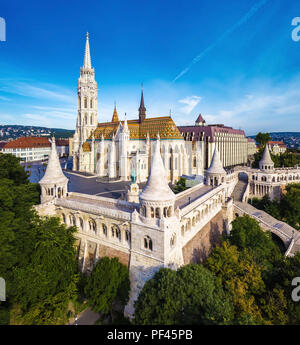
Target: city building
277, 147
201, 140
31, 149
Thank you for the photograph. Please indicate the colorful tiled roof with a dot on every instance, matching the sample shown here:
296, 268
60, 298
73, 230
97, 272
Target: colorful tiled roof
165, 126
86, 147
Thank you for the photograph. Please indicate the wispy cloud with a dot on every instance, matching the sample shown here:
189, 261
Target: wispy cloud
190, 103
38, 90
242, 21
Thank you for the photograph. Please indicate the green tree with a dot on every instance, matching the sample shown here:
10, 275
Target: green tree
247, 234
108, 283
180, 185
45, 285
11, 169
290, 205
262, 138
190, 295
241, 277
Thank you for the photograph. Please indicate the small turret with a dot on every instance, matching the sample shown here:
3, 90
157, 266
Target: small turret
157, 199
54, 183
266, 162
215, 173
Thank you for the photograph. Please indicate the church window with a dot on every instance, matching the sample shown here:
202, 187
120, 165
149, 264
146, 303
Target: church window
176, 163
85, 102
92, 225
86, 119
127, 234
91, 120
91, 103
195, 162
147, 243
64, 218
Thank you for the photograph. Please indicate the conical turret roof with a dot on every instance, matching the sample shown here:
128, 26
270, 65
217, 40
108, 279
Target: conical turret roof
157, 187
266, 158
216, 166
53, 174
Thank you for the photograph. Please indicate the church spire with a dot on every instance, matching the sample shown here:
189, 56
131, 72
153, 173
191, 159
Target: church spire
115, 117
87, 55
142, 109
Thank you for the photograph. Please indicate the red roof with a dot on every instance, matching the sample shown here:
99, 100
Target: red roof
33, 142
280, 143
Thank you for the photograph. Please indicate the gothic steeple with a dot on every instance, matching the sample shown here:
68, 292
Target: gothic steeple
115, 117
142, 109
87, 55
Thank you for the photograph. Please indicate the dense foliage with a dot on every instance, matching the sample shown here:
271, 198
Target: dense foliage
108, 283
287, 209
37, 256
190, 295
262, 138
246, 280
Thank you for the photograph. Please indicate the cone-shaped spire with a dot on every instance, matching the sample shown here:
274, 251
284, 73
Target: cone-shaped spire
142, 109
53, 174
157, 188
216, 166
115, 117
87, 55
266, 159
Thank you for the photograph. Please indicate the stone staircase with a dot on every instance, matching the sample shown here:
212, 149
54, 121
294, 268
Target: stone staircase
239, 189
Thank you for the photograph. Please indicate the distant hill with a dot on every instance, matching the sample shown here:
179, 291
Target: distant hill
9, 132
291, 139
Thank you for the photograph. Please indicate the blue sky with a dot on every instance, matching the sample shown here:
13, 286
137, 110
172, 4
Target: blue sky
233, 61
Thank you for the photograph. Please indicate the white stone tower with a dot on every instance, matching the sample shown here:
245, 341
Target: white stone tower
54, 183
215, 174
87, 118
266, 162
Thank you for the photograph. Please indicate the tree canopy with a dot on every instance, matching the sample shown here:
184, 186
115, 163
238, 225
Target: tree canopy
262, 138
190, 295
108, 282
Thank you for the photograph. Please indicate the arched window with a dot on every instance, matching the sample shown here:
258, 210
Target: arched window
157, 212
92, 225
195, 162
147, 243
173, 241
81, 223
116, 232
91, 120
127, 235
85, 102
165, 212
64, 217
182, 230
152, 212
86, 119
91, 103
104, 229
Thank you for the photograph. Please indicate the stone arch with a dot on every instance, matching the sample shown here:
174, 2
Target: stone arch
148, 243
116, 232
